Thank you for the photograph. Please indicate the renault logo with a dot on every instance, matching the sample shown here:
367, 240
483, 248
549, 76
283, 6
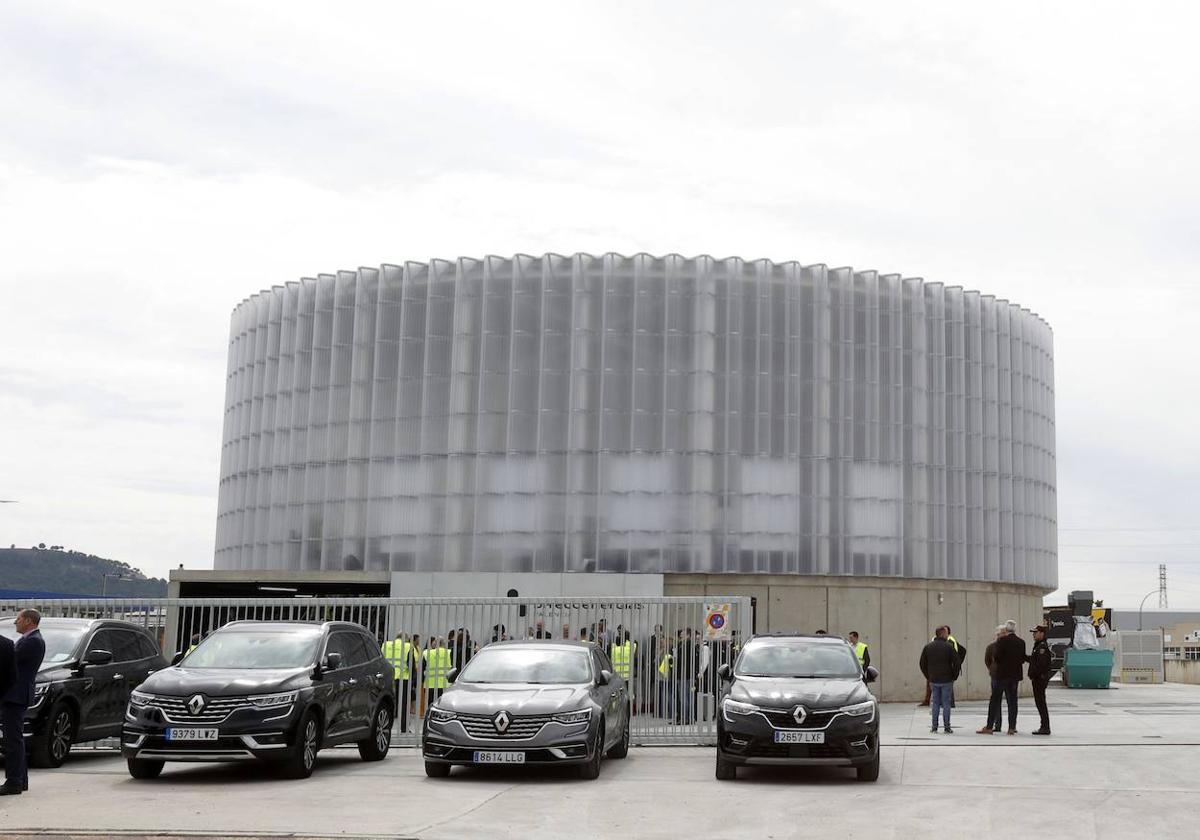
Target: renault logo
196, 704
800, 714
501, 722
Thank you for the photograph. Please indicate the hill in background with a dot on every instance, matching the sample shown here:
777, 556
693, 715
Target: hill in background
73, 573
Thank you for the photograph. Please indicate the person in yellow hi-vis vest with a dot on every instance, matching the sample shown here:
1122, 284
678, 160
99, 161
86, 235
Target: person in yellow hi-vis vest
438, 663
860, 650
399, 652
666, 664
623, 654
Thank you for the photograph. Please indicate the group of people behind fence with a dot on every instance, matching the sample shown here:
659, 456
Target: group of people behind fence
1005, 658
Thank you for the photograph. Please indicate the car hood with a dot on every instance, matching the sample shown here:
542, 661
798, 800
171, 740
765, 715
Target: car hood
225, 682
810, 693
516, 699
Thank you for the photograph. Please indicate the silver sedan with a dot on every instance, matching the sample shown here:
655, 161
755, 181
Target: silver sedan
530, 702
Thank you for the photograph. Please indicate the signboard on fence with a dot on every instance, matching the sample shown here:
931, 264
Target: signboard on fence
716, 621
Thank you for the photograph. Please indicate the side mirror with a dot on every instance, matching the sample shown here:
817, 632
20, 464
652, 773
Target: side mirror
725, 673
177, 658
871, 674
605, 678
452, 675
332, 662
98, 657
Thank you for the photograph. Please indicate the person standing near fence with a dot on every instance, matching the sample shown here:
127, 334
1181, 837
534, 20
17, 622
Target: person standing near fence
399, 652
861, 651
438, 663
28, 653
665, 677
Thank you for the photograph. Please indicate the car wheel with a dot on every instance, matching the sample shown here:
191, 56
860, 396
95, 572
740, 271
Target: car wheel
144, 768
436, 769
621, 748
591, 770
52, 749
376, 746
726, 769
869, 772
300, 764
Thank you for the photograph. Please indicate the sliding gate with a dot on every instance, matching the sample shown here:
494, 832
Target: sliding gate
670, 648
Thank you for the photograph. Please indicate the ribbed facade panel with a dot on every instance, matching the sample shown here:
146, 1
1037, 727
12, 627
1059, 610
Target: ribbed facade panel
612, 413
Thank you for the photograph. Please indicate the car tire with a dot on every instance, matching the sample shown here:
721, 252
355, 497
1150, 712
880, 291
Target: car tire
591, 770
144, 768
621, 748
726, 770
436, 769
300, 764
869, 772
375, 747
52, 749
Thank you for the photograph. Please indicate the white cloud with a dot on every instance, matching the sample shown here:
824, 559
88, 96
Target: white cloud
164, 163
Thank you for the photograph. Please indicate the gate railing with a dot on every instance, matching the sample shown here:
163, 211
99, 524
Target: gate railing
670, 663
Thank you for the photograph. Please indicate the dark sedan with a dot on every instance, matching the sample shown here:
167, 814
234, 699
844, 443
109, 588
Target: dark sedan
90, 668
798, 700
532, 702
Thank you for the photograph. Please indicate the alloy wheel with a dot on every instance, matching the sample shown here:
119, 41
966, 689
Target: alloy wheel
383, 730
310, 743
60, 735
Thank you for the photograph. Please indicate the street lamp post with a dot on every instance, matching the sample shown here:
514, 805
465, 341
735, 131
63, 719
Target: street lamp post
104, 585
1148, 594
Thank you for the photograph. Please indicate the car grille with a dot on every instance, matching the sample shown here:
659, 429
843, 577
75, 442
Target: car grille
784, 719
519, 728
216, 709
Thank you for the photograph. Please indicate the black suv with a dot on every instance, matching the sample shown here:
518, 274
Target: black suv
272, 690
798, 700
90, 668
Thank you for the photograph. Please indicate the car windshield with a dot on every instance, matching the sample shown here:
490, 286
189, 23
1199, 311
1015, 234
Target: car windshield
256, 649
797, 659
528, 665
60, 641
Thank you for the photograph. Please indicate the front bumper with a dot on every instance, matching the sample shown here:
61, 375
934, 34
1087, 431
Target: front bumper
555, 743
246, 735
750, 739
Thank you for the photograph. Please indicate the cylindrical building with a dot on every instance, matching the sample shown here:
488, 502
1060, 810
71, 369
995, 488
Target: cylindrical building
630, 414
741, 426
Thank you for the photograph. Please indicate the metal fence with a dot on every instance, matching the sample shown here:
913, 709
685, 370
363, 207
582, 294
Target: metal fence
668, 648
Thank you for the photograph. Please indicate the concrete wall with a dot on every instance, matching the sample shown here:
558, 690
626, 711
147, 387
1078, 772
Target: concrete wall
894, 616
1183, 671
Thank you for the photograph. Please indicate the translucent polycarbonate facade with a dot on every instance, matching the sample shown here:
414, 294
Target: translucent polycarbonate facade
638, 414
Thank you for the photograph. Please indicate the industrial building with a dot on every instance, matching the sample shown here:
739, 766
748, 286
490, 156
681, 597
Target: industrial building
858, 451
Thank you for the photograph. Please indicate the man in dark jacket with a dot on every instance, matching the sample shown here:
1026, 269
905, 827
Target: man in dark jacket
8, 665
1010, 666
941, 666
28, 653
989, 661
1040, 671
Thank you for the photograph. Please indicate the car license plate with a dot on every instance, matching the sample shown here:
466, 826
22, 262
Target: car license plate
799, 737
484, 757
176, 733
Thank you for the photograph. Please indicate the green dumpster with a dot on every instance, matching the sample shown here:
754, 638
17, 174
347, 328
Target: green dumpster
1087, 668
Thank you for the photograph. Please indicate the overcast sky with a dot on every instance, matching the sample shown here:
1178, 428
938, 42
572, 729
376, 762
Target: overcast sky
159, 163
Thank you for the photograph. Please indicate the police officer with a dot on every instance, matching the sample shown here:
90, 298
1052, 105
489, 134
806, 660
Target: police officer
1040, 671
860, 650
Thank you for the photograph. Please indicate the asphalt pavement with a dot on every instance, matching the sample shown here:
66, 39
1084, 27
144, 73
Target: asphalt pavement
1120, 764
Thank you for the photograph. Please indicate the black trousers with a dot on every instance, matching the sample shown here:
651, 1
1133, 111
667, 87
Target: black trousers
993, 721
402, 702
1009, 687
16, 772
1039, 698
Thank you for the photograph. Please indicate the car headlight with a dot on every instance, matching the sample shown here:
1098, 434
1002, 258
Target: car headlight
440, 715
866, 709
735, 707
139, 698
39, 690
581, 716
263, 701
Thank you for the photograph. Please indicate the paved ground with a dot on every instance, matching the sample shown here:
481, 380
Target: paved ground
1120, 764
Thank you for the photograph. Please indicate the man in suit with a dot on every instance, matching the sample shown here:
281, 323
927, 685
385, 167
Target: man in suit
28, 654
8, 665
